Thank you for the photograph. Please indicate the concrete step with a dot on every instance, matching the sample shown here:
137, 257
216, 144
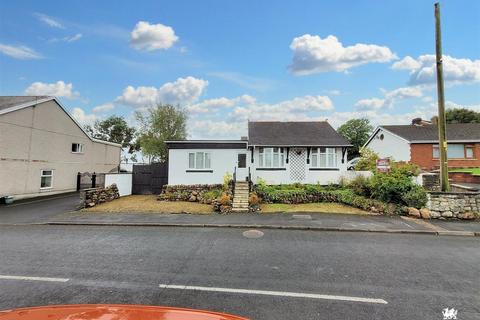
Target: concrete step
240, 210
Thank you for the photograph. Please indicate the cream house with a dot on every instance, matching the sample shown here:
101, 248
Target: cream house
42, 148
275, 152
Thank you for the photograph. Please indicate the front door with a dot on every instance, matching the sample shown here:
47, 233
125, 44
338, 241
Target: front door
297, 164
242, 166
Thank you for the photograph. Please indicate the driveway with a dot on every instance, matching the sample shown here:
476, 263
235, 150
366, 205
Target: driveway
37, 210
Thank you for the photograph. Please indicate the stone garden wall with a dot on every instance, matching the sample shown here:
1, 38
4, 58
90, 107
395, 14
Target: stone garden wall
461, 205
193, 193
93, 196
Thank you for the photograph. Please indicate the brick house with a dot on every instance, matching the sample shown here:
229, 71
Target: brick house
418, 143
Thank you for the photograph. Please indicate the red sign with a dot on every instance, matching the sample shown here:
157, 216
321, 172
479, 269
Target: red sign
383, 165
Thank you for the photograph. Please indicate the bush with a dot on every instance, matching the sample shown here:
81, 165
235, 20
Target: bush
211, 194
316, 193
253, 199
415, 197
227, 177
360, 185
225, 199
397, 187
368, 160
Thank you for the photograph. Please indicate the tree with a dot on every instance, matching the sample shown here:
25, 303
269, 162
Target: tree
356, 131
159, 124
462, 115
113, 129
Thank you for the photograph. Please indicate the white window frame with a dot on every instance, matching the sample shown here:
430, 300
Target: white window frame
315, 154
204, 156
272, 152
42, 175
80, 147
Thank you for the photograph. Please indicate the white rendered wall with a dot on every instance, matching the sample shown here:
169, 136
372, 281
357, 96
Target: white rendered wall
222, 161
123, 182
391, 146
311, 176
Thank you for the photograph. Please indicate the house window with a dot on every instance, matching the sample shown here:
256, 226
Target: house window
77, 147
324, 158
469, 152
455, 151
199, 160
46, 179
271, 157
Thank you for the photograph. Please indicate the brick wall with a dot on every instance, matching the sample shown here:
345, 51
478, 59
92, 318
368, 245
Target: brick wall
422, 155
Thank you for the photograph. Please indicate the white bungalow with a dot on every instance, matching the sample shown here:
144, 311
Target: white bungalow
277, 152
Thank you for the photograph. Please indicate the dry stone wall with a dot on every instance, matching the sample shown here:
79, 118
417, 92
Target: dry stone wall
461, 205
93, 196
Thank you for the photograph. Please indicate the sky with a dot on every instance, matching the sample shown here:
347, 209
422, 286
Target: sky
228, 62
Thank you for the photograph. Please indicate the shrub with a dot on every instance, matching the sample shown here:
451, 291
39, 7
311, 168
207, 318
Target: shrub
253, 199
360, 185
227, 177
398, 187
211, 194
415, 197
225, 199
368, 160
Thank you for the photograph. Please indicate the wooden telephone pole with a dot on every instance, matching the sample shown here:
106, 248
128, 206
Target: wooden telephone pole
442, 136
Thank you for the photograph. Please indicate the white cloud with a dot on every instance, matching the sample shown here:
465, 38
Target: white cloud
146, 36
245, 81
389, 99
82, 117
312, 54
183, 91
57, 89
103, 107
407, 63
19, 52
297, 108
73, 38
209, 129
370, 104
455, 71
52, 22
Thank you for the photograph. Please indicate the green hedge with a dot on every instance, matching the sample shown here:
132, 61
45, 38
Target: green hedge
292, 194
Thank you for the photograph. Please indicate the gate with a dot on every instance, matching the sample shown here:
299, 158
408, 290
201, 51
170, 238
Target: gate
149, 178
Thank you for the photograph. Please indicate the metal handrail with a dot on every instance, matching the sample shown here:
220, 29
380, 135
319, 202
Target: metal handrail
249, 180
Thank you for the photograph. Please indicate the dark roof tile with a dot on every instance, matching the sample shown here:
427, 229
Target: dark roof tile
313, 133
455, 132
13, 101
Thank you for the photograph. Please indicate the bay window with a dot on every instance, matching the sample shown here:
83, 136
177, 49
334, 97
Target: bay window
323, 157
271, 157
199, 160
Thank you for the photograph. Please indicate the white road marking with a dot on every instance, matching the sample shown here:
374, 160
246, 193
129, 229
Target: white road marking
6, 277
275, 293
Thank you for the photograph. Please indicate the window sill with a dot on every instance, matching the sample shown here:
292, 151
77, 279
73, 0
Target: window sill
46, 188
458, 159
200, 171
271, 169
78, 152
324, 169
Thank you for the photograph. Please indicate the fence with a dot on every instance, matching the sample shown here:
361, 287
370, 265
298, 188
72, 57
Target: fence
149, 178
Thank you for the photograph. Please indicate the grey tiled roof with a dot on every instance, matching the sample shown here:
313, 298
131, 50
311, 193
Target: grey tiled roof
12, 101
314, 133
455, 132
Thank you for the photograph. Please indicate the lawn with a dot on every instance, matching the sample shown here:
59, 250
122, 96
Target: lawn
311, 207
474, 171
150, 204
